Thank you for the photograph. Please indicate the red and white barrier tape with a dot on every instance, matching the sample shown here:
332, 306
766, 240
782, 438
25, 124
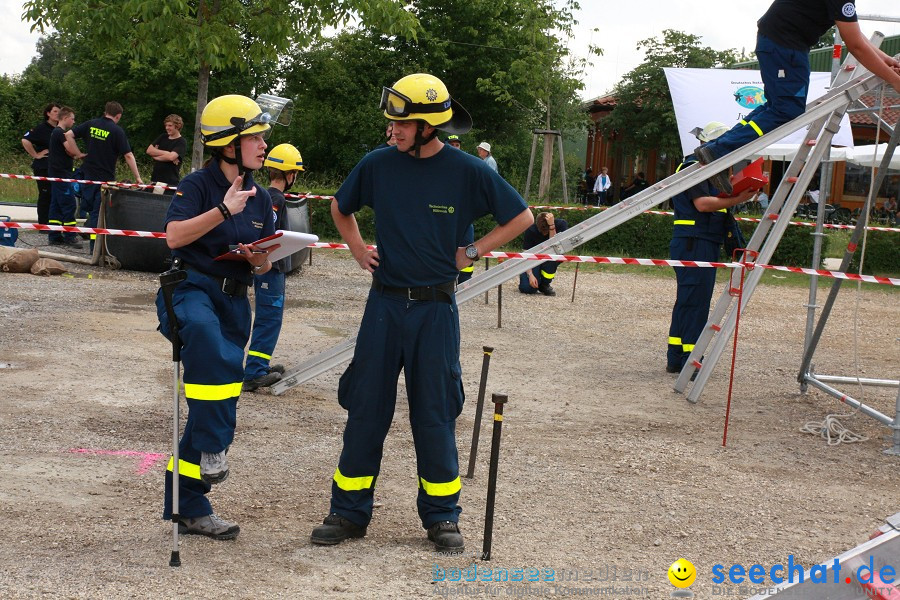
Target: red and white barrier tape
736, 218
612, 260
318, 197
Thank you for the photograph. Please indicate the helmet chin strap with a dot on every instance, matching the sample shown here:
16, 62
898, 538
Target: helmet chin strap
237, 160
420, 139
289, 184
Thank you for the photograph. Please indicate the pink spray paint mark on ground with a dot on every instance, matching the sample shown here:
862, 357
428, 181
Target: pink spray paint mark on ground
148, 459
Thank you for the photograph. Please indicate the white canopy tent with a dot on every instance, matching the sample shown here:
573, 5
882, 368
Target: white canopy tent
867, 156
786, 152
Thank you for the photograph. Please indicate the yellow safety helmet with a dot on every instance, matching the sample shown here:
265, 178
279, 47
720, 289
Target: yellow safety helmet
285, 157
227, 117
711, 131
424, 97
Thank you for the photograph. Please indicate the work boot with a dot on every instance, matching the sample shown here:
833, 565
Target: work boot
547, 290
276, 369
673, 369
212, 526
74, 243
446, 537
720, 180
261, 381
334, 530
56, 242
213, 467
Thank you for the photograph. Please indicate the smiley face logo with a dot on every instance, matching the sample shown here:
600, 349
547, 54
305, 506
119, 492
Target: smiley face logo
682, 573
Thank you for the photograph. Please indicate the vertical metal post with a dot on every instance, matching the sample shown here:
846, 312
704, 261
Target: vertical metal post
575, 282
476, 430
500, 306
895, 449
499, 400
487, 266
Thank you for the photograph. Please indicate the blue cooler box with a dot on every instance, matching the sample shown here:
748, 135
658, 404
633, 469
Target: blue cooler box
8, 236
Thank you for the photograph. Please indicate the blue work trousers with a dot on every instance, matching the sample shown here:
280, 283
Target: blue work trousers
213, 328
422, 339
695, 290
269, 289
62, 210
544, 273
785, 75
90, 201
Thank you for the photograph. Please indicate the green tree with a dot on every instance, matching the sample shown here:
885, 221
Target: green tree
644, 116
504, 60
210, 36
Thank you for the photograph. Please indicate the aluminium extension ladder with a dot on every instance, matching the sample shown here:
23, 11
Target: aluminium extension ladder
853, 82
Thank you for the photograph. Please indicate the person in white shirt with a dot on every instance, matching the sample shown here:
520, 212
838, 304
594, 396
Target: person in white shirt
601, 186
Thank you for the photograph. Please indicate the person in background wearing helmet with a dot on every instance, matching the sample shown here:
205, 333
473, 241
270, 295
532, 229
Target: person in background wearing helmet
424, 196
701, 224
484, 152
453, 140
785, 34
284, 163
214, 209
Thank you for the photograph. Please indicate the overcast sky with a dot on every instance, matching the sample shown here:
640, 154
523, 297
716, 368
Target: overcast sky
720, 23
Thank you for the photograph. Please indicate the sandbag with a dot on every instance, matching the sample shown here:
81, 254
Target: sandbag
47, 266
6, 252
20, 261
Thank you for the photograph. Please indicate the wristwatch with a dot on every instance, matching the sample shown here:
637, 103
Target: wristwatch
471, 252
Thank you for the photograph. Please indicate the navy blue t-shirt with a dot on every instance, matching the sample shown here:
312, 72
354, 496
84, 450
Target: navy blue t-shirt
423, 207
690, 222
59, 163
106, 142
532, 236
39, 136
798, 24
279, 205
204, 190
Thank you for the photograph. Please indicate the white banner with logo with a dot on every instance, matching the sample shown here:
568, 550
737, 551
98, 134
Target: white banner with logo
728, 95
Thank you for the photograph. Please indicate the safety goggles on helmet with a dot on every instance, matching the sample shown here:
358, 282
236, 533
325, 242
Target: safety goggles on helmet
398, 105
239, 126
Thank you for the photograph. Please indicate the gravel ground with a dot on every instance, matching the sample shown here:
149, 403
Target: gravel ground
603, 468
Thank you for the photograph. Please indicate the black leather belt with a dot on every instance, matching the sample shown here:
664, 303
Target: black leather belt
229, 286
443, 292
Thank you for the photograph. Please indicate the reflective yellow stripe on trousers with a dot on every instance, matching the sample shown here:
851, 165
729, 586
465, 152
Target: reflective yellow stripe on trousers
198, 391
185, 468
441, 489
352, 484
259, 354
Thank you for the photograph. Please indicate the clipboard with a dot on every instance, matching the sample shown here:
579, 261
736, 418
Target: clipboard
290, 241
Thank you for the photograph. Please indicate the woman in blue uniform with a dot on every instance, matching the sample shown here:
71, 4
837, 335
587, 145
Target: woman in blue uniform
215, 209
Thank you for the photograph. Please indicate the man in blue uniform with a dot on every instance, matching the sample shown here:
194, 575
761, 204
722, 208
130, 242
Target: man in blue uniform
37, 143
284, 163
62, 198
701, 224
538, 279
785, 34
424, 196
105, 142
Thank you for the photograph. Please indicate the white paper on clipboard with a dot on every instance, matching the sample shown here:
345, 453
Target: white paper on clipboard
290, 241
